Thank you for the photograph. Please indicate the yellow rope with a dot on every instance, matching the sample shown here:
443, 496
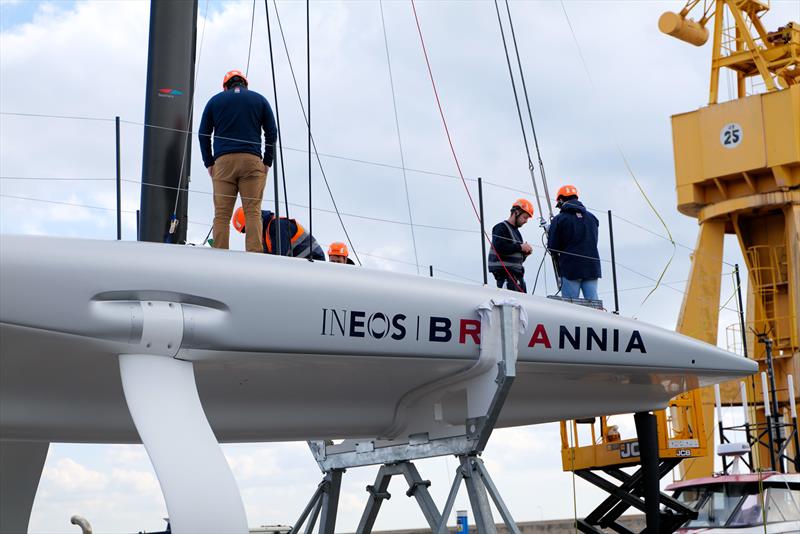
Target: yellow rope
627, 164
574, 491
735, 291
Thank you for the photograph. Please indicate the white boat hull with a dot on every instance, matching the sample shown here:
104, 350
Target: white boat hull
285, 349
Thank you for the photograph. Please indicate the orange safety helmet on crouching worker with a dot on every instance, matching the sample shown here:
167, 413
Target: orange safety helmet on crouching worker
567, 191
337, 249
524, 205
238, 219
231, 74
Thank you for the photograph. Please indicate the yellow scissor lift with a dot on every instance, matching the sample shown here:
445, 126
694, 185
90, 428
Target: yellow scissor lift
593, 446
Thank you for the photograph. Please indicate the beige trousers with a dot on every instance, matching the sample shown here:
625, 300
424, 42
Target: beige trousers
243, 174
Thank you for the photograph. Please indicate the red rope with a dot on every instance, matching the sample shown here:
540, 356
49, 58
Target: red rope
453, 150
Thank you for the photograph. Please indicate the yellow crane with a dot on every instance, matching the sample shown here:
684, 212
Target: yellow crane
737, 170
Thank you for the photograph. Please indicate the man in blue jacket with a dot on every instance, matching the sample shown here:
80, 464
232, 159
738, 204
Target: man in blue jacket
295, 241
572, 238
236, 117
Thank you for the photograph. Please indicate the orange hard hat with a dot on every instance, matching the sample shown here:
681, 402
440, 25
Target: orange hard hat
230, 74
567, 191
337, 249
238, 219
525, 205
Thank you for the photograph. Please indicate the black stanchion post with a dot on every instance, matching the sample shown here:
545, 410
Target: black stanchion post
483, 232
308, 108
119, 187
741, 310
776, 416
137, 226
770, 435
647, 432
613, 262
796, 442
742, 327
751, 443
722, 440
430, 269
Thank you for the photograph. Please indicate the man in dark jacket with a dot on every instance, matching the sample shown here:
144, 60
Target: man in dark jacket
295, 241
508, 248
236, 117
572, 239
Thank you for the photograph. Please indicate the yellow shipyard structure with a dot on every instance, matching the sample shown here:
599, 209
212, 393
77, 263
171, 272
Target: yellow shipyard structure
737, 171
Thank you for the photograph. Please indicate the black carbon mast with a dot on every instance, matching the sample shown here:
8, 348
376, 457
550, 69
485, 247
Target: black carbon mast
166, 159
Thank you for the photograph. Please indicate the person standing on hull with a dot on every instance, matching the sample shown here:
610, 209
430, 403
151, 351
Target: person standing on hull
572, 239
236, 118
295, 241
509, 250
337, 253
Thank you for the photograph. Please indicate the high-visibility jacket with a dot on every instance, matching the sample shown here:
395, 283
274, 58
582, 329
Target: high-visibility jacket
295, 241
507, 241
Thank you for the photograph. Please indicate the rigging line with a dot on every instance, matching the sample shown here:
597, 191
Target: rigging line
572, 447
56, 179
74, 205
438, 270
46, 201
250, 46
319, 154
519, 110
399, 138
378, 219
63, 203
420, 225
648, 230
277, 112
624, 159
530, 114
733, 294
539, 270
323, 210
368, 162
420, 171
173, 222
313, 141
308, 100
652, 207
453, 150
639, 288
278, 161
44, 116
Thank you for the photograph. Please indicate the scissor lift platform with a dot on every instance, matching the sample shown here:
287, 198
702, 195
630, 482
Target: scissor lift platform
607, 454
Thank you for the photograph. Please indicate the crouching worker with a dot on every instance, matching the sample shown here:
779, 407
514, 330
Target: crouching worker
509, 250
337, 253
295, 241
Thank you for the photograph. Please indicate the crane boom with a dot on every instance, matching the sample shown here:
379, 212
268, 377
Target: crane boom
745, 47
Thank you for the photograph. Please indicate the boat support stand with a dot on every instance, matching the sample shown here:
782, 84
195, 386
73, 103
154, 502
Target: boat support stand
487, 389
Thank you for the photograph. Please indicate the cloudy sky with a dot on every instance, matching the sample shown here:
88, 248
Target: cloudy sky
87, 60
